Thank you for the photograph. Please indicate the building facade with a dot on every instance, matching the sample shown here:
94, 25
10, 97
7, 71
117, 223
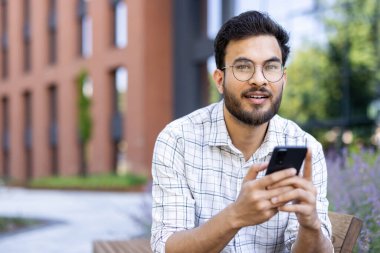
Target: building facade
85, 86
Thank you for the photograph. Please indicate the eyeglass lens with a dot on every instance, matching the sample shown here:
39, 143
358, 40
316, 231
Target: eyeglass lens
244, 70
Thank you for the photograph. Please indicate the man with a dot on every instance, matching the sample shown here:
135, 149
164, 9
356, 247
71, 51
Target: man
210, 192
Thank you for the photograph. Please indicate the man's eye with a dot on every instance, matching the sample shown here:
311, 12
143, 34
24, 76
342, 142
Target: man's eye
272, 67
243, 67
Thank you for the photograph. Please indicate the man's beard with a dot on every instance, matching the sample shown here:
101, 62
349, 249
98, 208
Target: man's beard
254, 117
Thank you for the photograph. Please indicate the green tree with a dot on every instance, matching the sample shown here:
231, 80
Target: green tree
352, 47
84, 113
336, 82
305, 96
84, 121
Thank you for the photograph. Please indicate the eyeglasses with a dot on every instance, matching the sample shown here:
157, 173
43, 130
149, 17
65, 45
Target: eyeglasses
244, 70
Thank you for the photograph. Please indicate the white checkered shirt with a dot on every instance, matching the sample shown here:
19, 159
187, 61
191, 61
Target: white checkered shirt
197, 172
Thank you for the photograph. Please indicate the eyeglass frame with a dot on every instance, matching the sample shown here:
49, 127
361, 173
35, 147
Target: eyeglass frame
254, 69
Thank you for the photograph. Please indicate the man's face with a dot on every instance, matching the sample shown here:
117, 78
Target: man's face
255, 101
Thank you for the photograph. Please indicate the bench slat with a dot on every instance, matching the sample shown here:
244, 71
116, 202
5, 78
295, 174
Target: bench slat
346, 229
130, 246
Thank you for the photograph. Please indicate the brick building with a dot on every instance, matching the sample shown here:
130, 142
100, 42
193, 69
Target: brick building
59, 56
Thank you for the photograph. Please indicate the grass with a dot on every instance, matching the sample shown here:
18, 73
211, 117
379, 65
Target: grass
93, 182
11, 224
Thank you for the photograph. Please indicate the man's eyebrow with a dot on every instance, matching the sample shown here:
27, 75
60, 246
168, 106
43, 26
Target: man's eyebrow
274, 58
242, 59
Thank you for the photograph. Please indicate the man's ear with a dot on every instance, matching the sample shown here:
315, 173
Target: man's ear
218, 77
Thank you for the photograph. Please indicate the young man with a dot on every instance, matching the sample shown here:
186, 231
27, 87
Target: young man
210, 192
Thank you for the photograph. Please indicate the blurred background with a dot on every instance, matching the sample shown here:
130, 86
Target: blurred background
86, 86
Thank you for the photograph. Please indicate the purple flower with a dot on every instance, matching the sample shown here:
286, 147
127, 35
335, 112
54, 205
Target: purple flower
354, 187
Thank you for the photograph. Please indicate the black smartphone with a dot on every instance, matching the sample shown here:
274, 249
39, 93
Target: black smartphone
284, 157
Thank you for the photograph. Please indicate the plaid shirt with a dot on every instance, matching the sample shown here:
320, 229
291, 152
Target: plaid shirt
197, 172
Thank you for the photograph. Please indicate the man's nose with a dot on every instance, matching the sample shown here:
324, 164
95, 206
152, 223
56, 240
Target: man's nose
258, 77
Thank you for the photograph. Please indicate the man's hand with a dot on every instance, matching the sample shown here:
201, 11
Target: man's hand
303, 197
253, 205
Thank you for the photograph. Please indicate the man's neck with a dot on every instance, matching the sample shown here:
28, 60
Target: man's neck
246, 138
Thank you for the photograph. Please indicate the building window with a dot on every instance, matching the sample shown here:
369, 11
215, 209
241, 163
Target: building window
53, 129
120, 23
119, 145
85, 29
52, 30
86, 37
27, 36
5, 145
28, 138
4, 39
121, 86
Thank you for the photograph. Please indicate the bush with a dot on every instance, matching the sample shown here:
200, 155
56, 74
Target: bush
92, 182
354, 188
12, 224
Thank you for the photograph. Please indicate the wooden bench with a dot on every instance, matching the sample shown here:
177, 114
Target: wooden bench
131, 246
346, 229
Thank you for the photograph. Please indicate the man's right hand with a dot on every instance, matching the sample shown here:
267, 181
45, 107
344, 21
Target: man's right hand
253, 205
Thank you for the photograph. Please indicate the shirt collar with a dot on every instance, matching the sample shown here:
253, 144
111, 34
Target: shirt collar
272, 137
219, 135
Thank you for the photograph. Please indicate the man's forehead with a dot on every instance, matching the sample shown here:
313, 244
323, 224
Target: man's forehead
254, 48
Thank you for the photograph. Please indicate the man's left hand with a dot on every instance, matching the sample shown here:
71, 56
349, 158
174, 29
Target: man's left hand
302, 197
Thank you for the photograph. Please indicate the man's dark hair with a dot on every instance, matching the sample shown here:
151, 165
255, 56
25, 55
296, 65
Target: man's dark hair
250, 23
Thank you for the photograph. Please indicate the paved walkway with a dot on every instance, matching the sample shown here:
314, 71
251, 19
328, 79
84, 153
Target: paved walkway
78, 218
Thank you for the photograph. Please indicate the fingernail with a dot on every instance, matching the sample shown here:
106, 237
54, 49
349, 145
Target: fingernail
274, 200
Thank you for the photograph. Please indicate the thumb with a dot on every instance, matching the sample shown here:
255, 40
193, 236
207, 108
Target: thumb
307, 172
254, 171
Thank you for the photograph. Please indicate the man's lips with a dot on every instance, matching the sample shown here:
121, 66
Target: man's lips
256, 97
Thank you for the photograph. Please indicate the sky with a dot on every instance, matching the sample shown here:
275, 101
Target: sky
293, 15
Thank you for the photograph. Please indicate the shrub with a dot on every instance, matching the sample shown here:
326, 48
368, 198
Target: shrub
13, 224
354, 188
92, 182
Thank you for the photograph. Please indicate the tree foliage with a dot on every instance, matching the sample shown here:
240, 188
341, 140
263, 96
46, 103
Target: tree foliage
305, 95
337, 80
84, 110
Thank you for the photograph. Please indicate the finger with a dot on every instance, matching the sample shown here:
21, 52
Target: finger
273, 195
297, 195
254, 171
307, 172
296, 208
307, 216
279, 204
295, 182
276, 177
278, 191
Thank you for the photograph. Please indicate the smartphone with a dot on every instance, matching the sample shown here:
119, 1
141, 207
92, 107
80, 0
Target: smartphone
284, 157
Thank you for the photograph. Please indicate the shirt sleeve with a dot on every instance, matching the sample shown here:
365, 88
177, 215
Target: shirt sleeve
320, 182
173, 205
